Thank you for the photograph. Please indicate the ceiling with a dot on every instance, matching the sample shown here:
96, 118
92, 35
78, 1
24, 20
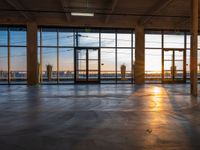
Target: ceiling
173, 14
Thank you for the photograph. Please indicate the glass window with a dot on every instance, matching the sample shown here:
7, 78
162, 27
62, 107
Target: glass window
66, 37
123, 40
18, 64
87, 39
198, 41
108, 71
3, 64
153, 40
107, 39
188, 63
175, 40
69, 38
17, 36
66, 64
134, 40
153, 63
38, 38
3, 36
49, 37
49, 64
18, 56
198, 63
124, 62
188, 41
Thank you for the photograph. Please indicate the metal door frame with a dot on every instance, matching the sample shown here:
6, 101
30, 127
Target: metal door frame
173, 64
87, 66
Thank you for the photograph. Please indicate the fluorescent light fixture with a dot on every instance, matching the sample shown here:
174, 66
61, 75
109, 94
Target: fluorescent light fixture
82, 14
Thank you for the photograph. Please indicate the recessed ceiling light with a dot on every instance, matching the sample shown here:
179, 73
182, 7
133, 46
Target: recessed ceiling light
82, 14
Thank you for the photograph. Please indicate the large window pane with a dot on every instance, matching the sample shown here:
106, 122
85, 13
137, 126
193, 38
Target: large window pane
198, 64
188, 41
18, 64
18, 57
18, 36
123, 40
174, 40
153, 64
133, 40
87, 39
49, 64
153, 40
66, 64
3, 65
124, 71
69, 38
188, 63
188, 56
107, 39
49, 37
198, 41
3, 36
153, 56
66, 37
38, 38
108, 65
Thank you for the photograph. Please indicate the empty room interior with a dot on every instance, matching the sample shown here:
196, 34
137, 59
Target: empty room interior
99, 75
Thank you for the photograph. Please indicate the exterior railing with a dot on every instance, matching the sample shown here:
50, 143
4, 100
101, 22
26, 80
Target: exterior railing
153, 75
69, 75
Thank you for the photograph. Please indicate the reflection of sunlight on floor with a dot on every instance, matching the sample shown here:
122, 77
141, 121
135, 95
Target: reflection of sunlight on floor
157, 103
160, 104
157, 98
152, 98
156, 90
156, 116
160, 107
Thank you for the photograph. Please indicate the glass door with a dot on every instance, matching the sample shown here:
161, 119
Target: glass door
173, 66
87, 65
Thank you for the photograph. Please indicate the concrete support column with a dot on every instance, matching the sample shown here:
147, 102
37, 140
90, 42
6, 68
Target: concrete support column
32, 62
194, 43
139, 70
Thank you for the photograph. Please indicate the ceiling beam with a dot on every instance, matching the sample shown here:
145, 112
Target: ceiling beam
16, 5
65, 4
114, 4
158, 7
182, 22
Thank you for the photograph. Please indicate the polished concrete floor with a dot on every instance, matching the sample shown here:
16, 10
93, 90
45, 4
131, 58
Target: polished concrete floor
99, 117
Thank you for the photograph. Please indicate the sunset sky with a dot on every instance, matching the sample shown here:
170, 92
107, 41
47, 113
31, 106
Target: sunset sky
66, 55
